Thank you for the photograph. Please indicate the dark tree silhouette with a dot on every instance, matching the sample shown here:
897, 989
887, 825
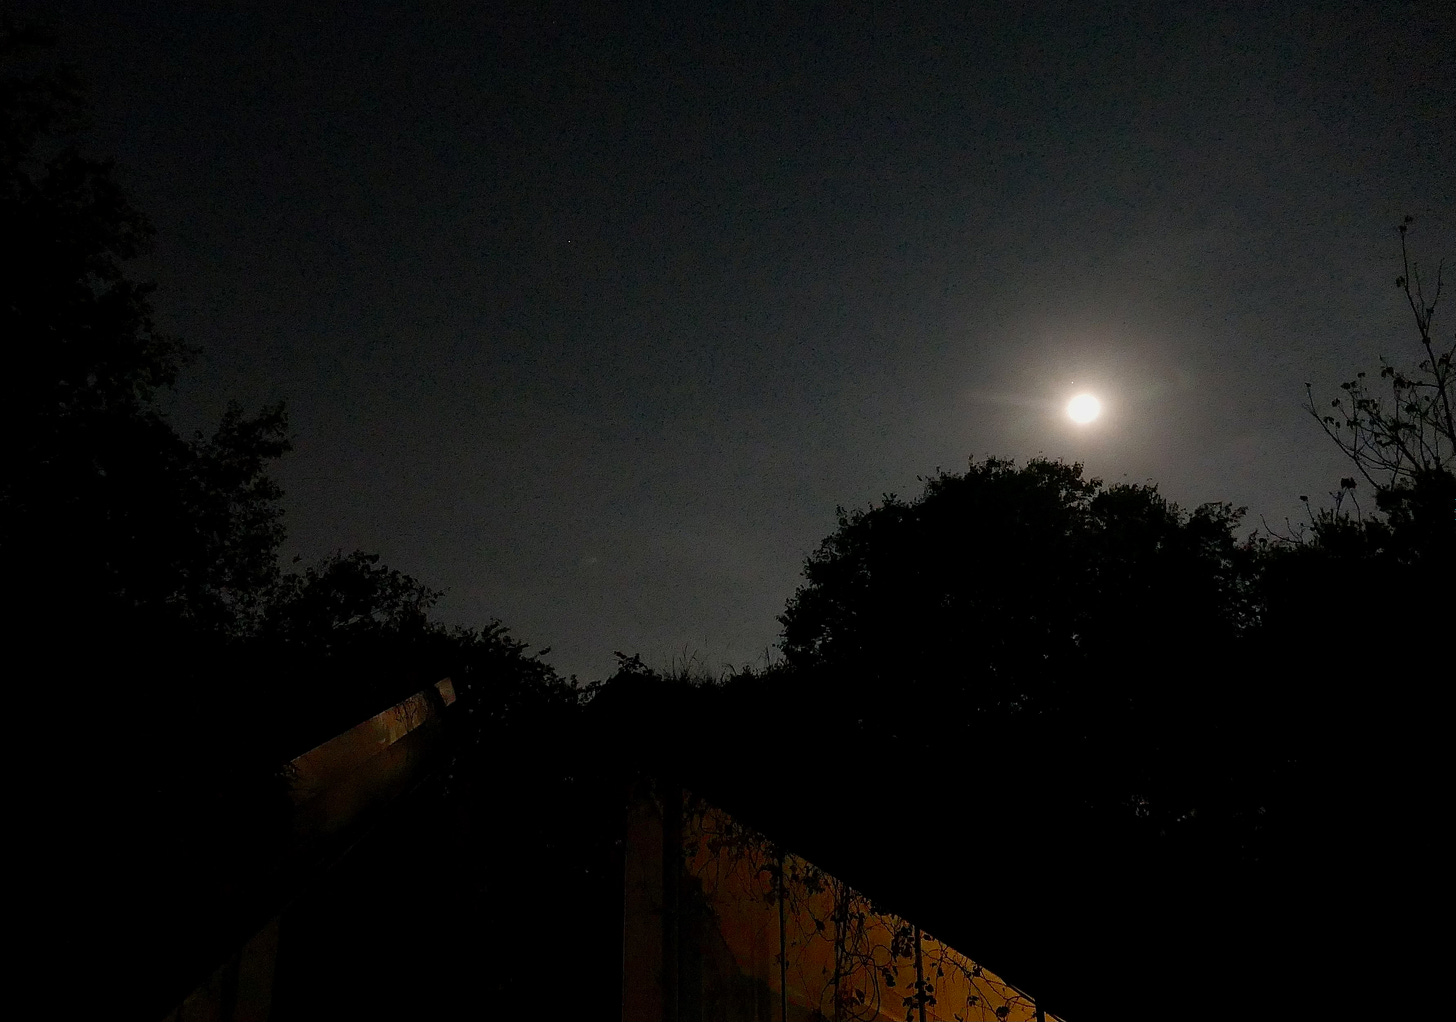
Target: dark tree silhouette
148, 561
1392, 563
1412, 432
178, 666
1404, 446
162, 549
106, 513
1005, 590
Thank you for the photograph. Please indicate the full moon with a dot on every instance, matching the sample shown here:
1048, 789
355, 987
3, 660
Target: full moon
1084, 408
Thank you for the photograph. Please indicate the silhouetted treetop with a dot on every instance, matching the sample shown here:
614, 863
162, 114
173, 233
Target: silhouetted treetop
1411, 430
72, 229
1393, 556
1014, 588
104, 506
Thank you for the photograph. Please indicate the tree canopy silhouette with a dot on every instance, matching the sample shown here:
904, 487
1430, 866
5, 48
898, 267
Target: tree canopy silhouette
106, 513
1012, 590
1412, 432
136, 545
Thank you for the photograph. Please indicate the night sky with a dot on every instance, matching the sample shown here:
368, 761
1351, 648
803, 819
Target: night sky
591, 318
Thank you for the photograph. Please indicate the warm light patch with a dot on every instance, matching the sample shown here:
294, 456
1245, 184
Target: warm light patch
1084, 408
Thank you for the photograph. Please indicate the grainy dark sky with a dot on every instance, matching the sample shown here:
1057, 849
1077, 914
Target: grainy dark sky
591, 315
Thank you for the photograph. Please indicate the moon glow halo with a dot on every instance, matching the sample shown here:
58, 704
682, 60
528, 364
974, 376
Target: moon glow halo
1084, 408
